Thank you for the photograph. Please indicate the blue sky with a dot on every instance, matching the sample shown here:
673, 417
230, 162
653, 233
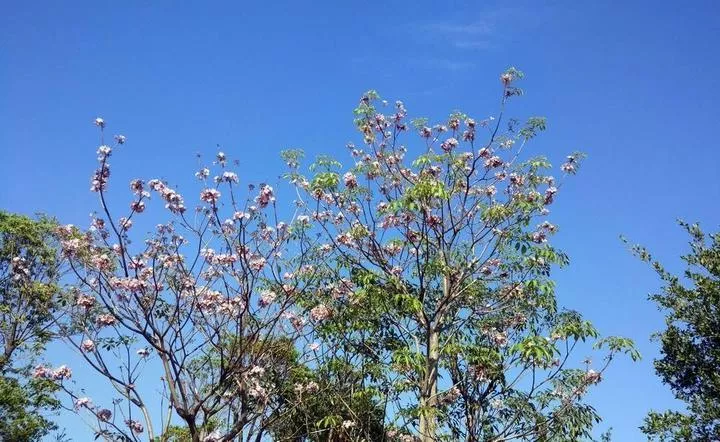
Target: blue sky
633, 84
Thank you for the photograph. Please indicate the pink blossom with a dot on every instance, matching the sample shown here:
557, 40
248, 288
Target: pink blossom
449, 144
350, 180
88, 345
320, 313
256, 371
210, 196
101, 261
570, 165
539, 237
265, 197
257, 263
82, 402
138, 206
498, 338
550, 194
296, 321
312, 387
104, 152
41, 372
229, 177
62, 372
267, 297
136, 186
104, 415
125, 223
85, 301
135, 426
99, 122
100, 178
493, 161
592, 377
202, 173
258, 392
241, 216
548, 226
105, 320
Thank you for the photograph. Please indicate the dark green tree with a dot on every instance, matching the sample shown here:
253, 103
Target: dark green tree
28, 287
690, 345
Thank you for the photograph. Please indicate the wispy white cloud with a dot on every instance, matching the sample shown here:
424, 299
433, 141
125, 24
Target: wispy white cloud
486, 29
476, 28
473, 44
448, 44
461, 35
447, 64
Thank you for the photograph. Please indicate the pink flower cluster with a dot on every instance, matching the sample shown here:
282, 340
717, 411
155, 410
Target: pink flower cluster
20, 268
134, 426
174, 201
267, 297
58, 374
104, 415
214, 302
265, 197
85, 301
105, 320
131, 285
320, 313
210, 196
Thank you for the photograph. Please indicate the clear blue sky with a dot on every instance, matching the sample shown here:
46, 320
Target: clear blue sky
633, 84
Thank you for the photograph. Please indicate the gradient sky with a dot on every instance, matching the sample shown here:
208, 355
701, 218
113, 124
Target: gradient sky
633, 84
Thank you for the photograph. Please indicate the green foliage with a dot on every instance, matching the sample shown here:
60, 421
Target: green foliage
325, 181
28, 293
690, 345
23, 409
532, 127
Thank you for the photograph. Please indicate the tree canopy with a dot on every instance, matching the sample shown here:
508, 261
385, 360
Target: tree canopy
405, 297
29, 272
690, 345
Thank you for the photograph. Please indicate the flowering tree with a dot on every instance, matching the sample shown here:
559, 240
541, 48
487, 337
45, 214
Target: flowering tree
29, 273
405, 299
206, 301
437, 278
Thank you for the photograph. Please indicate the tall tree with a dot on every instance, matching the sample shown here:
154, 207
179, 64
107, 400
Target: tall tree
207, 299
690, 345
28, 299
437, 260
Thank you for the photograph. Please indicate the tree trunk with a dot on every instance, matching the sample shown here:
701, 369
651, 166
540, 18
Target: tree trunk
428, 390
